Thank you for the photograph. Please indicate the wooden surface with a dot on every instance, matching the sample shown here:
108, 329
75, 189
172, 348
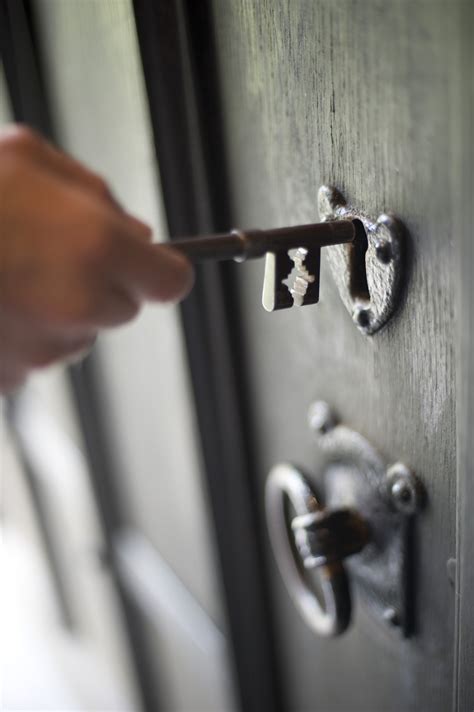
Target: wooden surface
363, 96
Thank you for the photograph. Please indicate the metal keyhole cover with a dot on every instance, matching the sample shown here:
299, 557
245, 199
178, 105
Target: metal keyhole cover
285, 483
383, 262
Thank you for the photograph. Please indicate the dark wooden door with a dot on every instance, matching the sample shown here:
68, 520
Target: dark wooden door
365, 96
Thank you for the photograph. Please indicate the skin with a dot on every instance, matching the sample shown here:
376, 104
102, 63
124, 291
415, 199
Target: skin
72, 261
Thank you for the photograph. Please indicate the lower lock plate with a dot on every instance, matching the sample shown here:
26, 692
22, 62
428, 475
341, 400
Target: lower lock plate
357, 477
357, 538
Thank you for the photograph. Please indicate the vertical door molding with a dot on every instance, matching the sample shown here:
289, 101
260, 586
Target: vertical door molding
176, 46
463, 189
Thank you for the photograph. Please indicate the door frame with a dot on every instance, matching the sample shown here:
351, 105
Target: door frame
177, 49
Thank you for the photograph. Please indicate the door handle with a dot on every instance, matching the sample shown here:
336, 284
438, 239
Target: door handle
363, 533
318, 536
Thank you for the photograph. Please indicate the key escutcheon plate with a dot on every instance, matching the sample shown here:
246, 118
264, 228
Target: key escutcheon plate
383, 262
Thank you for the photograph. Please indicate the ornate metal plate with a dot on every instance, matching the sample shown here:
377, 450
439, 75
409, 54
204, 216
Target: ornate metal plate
371, 309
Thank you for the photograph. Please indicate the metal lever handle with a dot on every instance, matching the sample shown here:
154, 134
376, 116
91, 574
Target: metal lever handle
322, 539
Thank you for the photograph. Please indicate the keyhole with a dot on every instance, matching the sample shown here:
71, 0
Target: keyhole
299, 279
358, 275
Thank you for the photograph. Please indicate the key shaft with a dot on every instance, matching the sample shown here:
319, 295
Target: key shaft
241, 245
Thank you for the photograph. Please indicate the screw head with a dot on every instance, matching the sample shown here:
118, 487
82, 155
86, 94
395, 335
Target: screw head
321, 418
404, 489
383, 252
401, 492
391, 616
362, 316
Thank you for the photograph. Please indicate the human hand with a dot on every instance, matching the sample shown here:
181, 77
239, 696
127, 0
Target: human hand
71, 260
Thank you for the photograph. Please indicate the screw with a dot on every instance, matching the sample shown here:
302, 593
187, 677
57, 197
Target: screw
362, 316
391, 616
401, 492
383, 252
321, 419
404, 489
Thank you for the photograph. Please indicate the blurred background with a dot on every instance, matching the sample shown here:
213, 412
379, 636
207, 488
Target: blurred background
70, 628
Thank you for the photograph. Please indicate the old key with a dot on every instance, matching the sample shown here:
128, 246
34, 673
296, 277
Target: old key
307, 240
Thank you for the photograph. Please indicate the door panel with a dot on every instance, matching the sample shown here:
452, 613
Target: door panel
358, 95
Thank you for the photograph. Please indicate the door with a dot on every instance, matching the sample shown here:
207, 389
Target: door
366, 97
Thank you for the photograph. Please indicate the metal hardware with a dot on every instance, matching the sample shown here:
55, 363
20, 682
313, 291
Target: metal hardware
369, 280
405, 491
365, 522
307, 240
326, 537
364, 255
331, 618
241, 245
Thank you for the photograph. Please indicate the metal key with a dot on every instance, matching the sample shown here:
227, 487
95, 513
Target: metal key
278, 293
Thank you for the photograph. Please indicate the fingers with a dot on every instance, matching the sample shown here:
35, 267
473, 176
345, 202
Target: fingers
152, 272
159, 274
73, 170
73, 306
71, 259
99, 307
27, 141
47, 351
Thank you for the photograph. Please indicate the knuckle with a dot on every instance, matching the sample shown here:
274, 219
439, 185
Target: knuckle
20, 138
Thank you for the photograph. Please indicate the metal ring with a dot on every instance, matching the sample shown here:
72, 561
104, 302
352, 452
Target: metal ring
284, 481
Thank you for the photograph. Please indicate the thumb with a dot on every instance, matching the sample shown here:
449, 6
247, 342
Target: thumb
154, 272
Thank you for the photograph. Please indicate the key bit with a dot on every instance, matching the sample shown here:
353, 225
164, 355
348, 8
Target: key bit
280, 291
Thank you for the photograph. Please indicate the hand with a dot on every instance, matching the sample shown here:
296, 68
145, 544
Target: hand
71, 260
